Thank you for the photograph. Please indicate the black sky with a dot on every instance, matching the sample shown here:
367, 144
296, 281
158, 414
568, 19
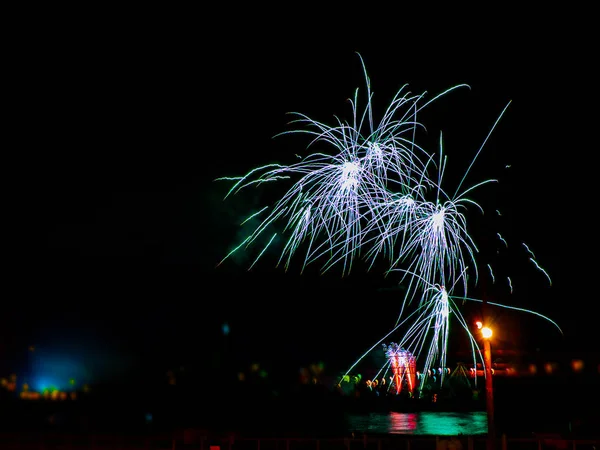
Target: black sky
121, 123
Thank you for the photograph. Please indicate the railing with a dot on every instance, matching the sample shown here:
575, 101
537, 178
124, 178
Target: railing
190, 440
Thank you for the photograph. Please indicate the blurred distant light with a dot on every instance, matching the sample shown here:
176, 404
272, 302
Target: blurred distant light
577, 365
486, 332
550, 368
225, 328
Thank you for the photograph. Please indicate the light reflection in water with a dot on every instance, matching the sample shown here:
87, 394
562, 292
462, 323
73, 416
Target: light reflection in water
421, 423
402, 423
451, 423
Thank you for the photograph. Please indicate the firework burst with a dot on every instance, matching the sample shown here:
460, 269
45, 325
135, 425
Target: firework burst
372, 192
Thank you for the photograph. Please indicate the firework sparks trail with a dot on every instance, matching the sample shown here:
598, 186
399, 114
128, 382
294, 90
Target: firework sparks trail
502, 239
335, 195
435, 315
328, 201
418, 339
528, 250
491, 273
541, 270
437, 245
377, 193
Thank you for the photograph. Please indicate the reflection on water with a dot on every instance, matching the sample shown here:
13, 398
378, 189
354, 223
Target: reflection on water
421, 423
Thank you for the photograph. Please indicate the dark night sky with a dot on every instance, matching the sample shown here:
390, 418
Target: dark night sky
121, 125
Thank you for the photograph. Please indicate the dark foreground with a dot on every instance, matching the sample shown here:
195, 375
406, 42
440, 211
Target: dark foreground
522, 409
198, 439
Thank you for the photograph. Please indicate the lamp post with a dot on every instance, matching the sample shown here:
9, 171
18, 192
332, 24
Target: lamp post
486, 333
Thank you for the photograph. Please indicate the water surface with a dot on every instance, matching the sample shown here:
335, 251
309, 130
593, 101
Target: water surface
425, 423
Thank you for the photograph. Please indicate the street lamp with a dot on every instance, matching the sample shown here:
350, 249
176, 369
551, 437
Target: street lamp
487, 333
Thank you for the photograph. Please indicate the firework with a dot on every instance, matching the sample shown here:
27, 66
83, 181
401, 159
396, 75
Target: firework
372, 192
339, 201
404, 367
